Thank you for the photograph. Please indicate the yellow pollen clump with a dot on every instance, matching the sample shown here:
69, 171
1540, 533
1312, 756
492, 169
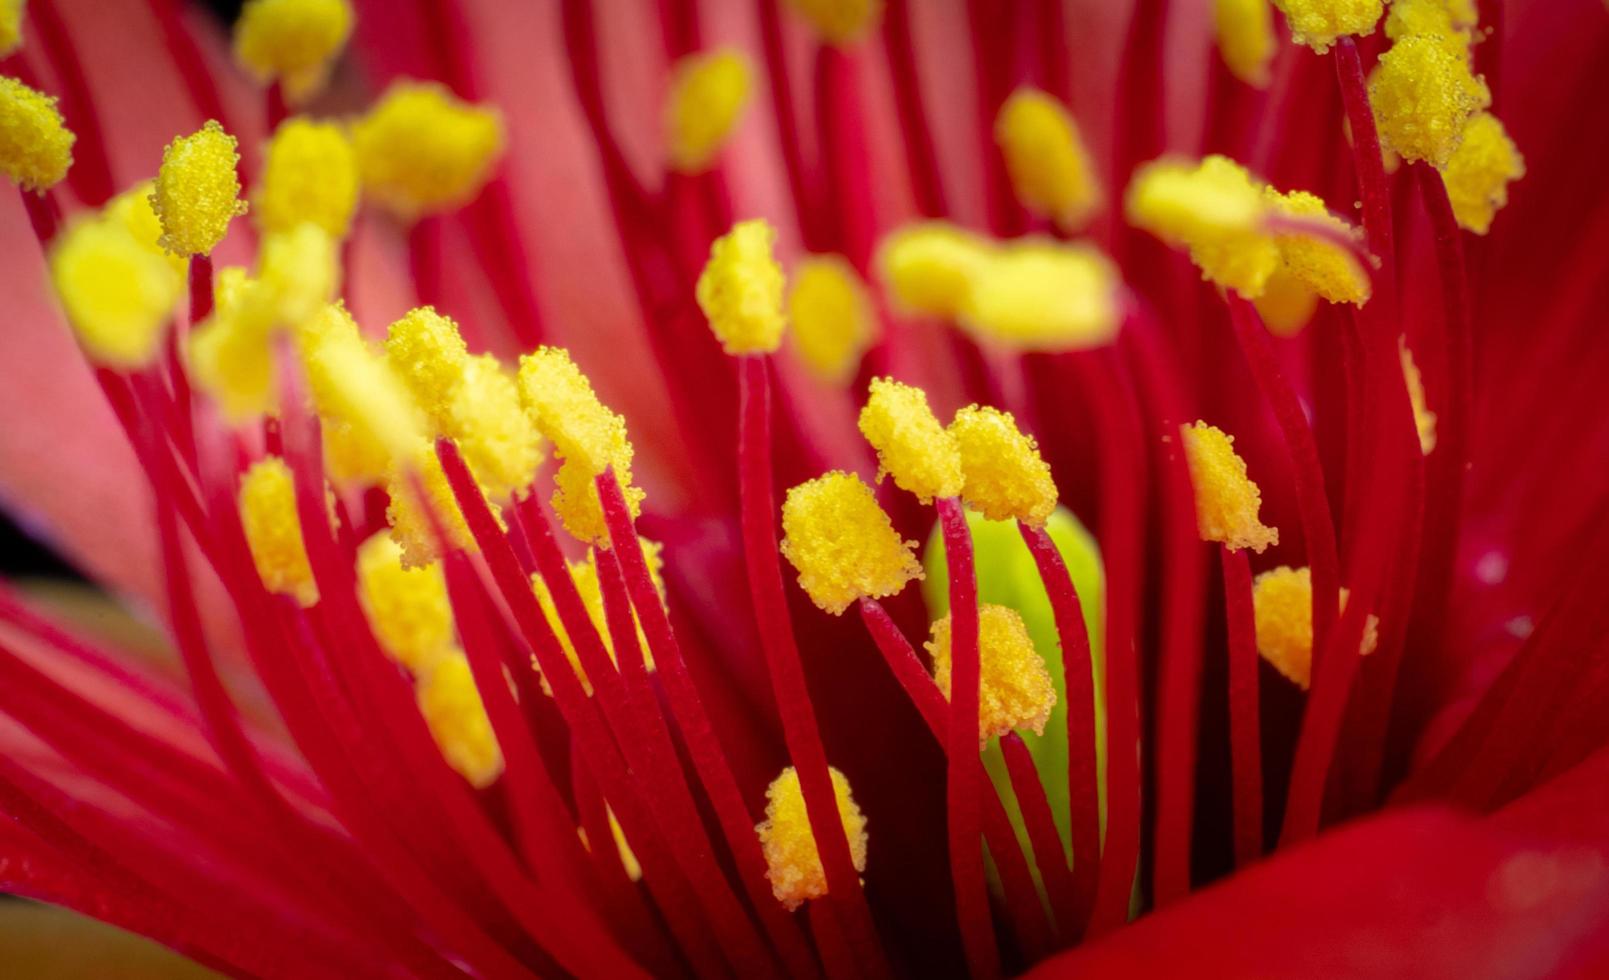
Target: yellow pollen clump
740, 289
928, 268
498, 440
1006, 478
428, 354
197, 193
575, 497
708, 93
1423, 96
1282, 599
1227, 500
1041, 295
407, 608
457, 719
1217, 210
310, 174
414, 521
10, 26
298, 273
1318, 23
1328, 269
1014, 688
1423, 418
911, 445
354, 386
1478, 173
1286, 305
233, 362
1245, 32
423, 150
292, 41
1433, 18
118, 294
132, 209
840, 22
273, 531
793, 864
842, 543
36, 147
832, 317
1049, 165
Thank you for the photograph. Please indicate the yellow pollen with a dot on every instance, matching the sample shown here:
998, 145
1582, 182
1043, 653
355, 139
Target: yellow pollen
1217, 210
708, 93
1227, 500
298, 274
740, 289
832, 316
1433, 18
928, 268
118, 294
1286, 305
310, 174
407, 608
232, 361
1318, 23
560, 400
423, 150
842, 543
628, 858
414, 521
487, 421
354, 386
453, 710
428, 354
132, 209
36, 147
1006, 478
1478, 173
1423, 96
1049, 165
793, 865
1328, 269
196, 193
292, 41
1040, 295
1014, 689
1424, 419
274, 532
1282, 599
840, 22
911, 445
10, 26
575, 497
1245, 32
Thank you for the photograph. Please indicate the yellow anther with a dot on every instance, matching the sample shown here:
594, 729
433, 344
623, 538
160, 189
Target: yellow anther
407, 608
453, 710
840, 22
832, 317
292, 41
1049, 165
628, 858
1006, 478
1328, 269
1423, 96
352, 457
1433, 18
911, 445
132, 209
352, 385
1245, 31
414, 520
428, 354
10, 26
1286, 305
740, 289
793, 865
1423, 418
274, 532
1283, 602
1014, 688
298, 274
1217, 210
842, 543
560, 400
233, 362
928, 267
36, 147
196, 193
1478, 173
1318, 23
1227, 500
575, 497
584, 575
117, 293
1040, 295
486, 420
310, 174
708, 93
421, 149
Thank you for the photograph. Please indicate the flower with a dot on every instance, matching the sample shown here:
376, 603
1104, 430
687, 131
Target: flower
515, 281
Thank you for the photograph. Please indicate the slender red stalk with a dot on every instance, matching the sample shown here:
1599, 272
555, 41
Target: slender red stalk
1372, 186
274, 108
1049, 855
1245, 729
44, 215
425, 248
836, 955
921, 158
847, 185
807, 211
91, 173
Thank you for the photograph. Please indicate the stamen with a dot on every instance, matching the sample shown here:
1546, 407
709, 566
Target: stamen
1041, 295
118, 294
1015, 690
267, 503
1217, 210
928, 267
197, 192
1318, 263
840, 22
707, 98
1423, 96
793, 863
1318, 23
292, 42
407, 608
1286, 305
1049, 164
10, 27
1283, 603
1435, 18
740, 290
1245, 33
1424, 419
421, 150
422, 502
428, 354
832, 317
1227, 501
310, 173
133, 210
452, 707
911, 445
1005, 477
1478, 173
36, 147
1245, 724
843, 544
498, 439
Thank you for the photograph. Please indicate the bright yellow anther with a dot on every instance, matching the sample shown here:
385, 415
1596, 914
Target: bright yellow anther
1217, 210
1283, 602
36, 147
832, 317
1006, 478
452, 708
1227, 500
1330, 270
740, 289
911, 445
1286, 305
298, 274
407, 608
422, 149
1041, 295
274, 532
707, 96
1245, 31
292, 41
1423, 96
793, 865
842, 543
575, 497
928, 268
10, 26
1478, 173
118, 294
840, 22
310, 174
1423, 418
354, 386
1049, 165
1450, 21
232, 360
428, 354
197, 193
132, 209
1014, 690
414, 519
1318, 23
498, 440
